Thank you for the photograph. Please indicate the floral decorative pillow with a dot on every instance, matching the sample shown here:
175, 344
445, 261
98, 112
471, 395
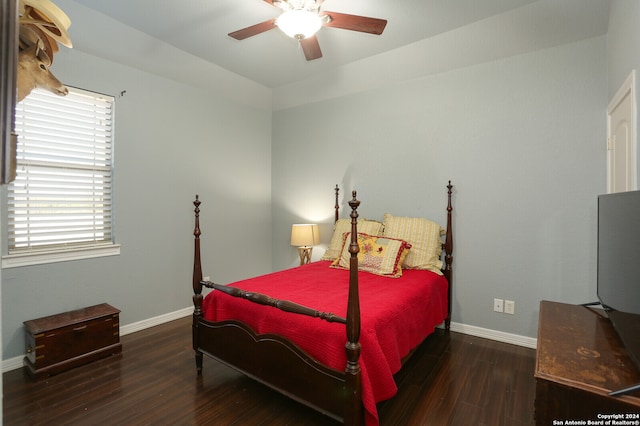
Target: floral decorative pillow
425, 239
371, 227
377, 255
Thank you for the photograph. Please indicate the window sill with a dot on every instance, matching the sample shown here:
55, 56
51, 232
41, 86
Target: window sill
54, 256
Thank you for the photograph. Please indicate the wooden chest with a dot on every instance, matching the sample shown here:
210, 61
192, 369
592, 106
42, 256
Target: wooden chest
59, 342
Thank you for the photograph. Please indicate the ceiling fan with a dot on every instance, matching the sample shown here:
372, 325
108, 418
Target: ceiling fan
301, 19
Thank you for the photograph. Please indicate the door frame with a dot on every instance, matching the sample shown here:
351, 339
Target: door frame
628, 87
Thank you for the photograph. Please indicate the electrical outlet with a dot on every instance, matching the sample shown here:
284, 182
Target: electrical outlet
509, 307
498, 305
206, 279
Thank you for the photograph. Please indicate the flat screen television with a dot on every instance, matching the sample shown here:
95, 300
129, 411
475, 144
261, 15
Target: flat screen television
619, 269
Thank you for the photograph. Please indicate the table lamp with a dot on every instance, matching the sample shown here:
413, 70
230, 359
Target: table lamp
304, 236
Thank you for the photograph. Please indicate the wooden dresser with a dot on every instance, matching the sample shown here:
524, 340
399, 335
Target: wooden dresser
579, 360
59, 342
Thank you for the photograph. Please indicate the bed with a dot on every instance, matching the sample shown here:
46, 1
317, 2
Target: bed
331, 334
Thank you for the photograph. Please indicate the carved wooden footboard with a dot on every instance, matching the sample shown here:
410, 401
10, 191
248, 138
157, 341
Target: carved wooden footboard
276, 361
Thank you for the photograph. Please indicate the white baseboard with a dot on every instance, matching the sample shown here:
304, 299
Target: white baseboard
500, 336
152, 322
514, 339
12, 364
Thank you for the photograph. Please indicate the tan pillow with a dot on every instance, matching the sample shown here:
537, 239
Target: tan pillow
377, 255
424, 237
371, 227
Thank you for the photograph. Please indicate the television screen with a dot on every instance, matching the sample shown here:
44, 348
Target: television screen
619, 265
619, 251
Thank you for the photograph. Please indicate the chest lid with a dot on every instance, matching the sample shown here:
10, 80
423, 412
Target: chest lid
52, 322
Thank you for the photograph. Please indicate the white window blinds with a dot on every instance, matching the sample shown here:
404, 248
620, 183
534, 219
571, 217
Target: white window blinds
61, 197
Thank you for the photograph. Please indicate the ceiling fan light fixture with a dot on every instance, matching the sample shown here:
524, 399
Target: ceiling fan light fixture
299, 23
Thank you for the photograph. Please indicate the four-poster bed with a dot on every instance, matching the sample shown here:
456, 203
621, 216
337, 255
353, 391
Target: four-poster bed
328, 334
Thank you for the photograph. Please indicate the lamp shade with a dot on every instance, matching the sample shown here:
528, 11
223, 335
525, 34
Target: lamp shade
304, 235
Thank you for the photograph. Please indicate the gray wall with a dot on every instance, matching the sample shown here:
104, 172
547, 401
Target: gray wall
521, 139
172, 141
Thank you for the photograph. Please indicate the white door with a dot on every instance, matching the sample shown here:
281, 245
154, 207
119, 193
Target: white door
621, 139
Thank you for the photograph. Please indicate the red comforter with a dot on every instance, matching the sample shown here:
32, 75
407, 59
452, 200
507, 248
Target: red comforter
396, 315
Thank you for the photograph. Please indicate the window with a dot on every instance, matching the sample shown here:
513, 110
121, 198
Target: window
60, 204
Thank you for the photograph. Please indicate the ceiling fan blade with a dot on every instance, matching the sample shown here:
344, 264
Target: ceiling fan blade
355, 23
253, 30
311, 48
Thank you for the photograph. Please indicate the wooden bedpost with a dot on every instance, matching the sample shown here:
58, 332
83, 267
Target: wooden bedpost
353, 406
337, 206
197, 287
448, 257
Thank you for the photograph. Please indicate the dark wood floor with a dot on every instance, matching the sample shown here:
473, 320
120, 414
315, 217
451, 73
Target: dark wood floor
451, 380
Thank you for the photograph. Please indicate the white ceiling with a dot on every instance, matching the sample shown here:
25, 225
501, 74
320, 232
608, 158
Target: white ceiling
200, 27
